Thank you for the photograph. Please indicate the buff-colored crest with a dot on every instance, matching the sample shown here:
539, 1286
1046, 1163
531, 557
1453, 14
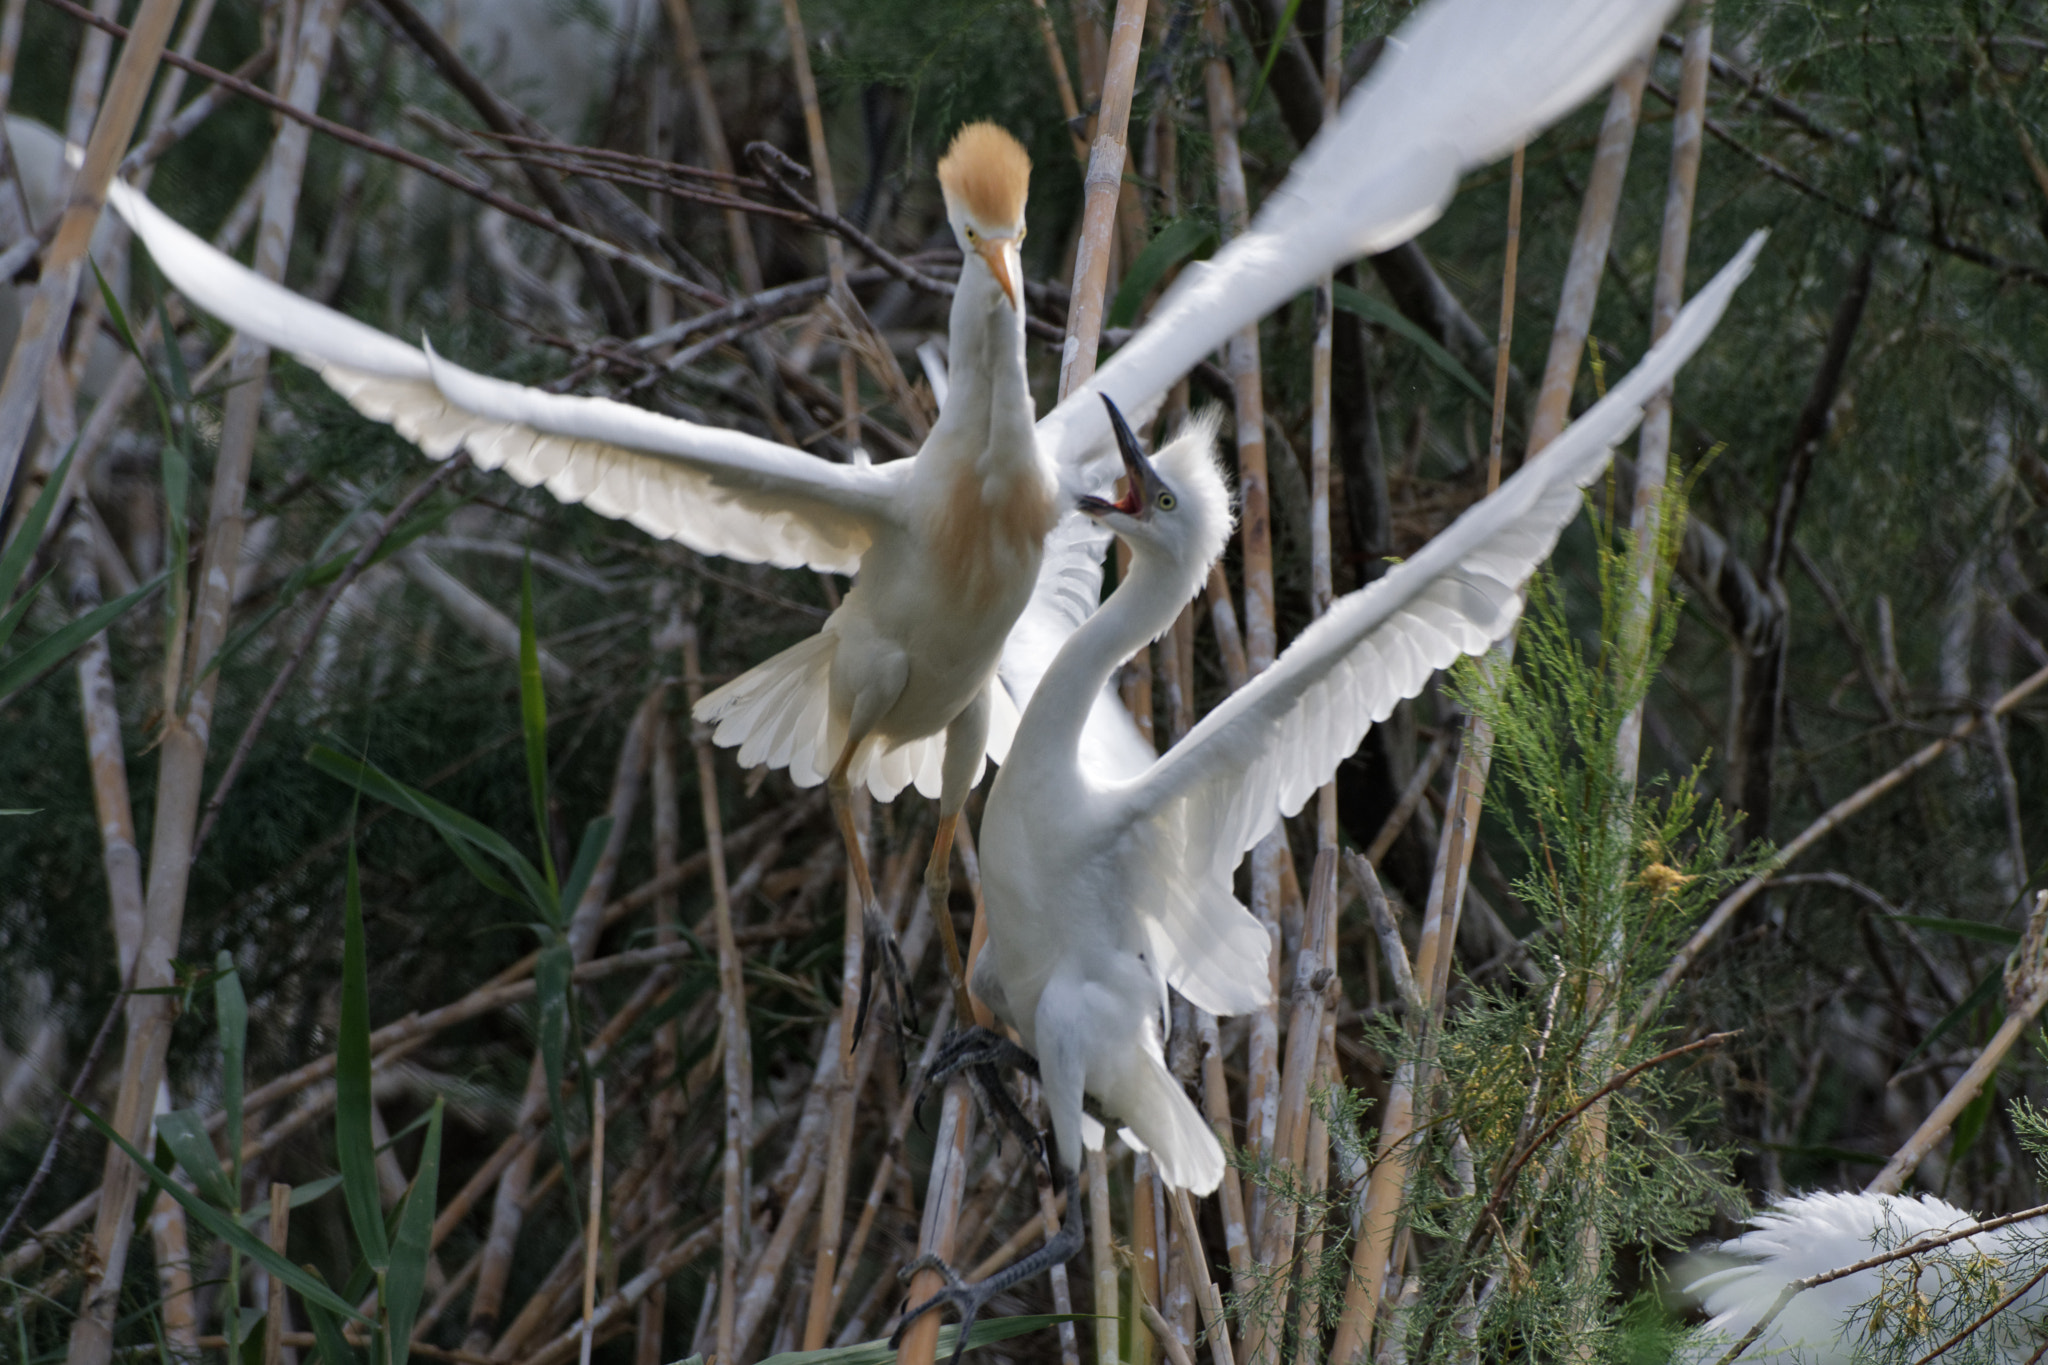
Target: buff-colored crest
987, 172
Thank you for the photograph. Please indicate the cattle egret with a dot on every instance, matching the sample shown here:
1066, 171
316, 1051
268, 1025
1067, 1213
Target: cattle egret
893, 690
1104, 888
1856, 1316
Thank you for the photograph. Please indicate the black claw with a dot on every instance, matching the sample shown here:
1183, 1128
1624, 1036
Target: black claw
979, 1052
968, 1299
881, 953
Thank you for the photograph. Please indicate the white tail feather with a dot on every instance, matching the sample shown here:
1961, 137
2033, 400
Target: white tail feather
1157, 1112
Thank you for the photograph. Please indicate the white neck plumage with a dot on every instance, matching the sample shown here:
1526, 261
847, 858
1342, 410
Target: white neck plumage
1143, 607
984, 352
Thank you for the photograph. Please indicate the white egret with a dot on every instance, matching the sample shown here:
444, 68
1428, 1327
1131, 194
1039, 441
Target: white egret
893, 690
1103, 889
1851, 1318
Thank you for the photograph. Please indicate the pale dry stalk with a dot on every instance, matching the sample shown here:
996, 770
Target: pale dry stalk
711, 134
508, 1204
275, 1319
1208, 1298
1101, 189
734, 1225
668, 1101
1070, 107
1233, 206
1147, 1257
182, 754
937, 1232
1102, 1253
63, 262
839, 1141
122, 862
594, 1222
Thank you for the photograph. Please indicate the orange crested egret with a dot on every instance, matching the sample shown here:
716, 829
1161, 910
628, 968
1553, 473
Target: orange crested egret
1104, 886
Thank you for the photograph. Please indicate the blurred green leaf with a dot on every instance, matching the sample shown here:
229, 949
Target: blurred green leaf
331, 1345
231, 1011
354, 1147
552, 982
1980, 995
1174, 243
406, 1282
21, 551
301, 1195
464, 835
533, 719
1372, 310
223, 1226
1963, 928
53, 648
184, 1132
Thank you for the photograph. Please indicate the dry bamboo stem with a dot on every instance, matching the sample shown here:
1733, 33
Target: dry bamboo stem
938, 1229
1233, 204
1102, 1252
63, 262
1386, 1188
1069, 106
274, 1323
732, 1005
828, 200
711, 133
594, 1224
585, 922
1827, 823
1208, 1297
668, 1103
1147, 1257
182, 762
1103, 185
839, 1142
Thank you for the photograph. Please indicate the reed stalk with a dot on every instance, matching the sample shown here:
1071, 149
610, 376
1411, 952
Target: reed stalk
1102, 186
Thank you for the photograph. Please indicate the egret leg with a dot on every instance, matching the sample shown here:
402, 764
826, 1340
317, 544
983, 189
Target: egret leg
980, 1052
938, 892
969, 1299
880, 949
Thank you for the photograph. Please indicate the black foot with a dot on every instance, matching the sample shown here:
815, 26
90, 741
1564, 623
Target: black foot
969, 1299
980, 1052
882, 954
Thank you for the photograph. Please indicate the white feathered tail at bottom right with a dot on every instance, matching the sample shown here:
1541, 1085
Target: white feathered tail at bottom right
1899, 1311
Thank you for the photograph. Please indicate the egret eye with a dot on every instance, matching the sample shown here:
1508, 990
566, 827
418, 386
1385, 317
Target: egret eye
1021, 233
1166, 501
973, 236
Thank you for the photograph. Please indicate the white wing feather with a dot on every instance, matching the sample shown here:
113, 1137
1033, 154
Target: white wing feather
1260, 754
1461, 83
1810, 1234
717, 491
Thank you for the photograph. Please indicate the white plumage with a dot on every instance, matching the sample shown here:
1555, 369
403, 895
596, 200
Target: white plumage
1921, 1300
1102, 891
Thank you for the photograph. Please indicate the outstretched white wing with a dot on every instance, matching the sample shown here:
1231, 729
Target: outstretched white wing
1260, 754
1461, 83
717, 491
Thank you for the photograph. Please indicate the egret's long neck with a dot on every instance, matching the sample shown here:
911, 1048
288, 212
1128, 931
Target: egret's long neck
1141, 609
988, 394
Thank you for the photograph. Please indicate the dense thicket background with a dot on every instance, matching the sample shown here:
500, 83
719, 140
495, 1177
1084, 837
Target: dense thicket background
1884, 142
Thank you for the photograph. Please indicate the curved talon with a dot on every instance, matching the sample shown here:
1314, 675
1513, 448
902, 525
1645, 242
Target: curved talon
968, 1299
882, 954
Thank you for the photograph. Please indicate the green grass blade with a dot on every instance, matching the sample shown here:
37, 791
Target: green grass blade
551, 985
1280, 32
463, 834
594, 836
406, 1282
533, 719
231, 1009
1372, 310
16, 614
14, 561
354, 1147
58, 645
1176, 242
1982, 994
223, 1226
986, 1332
184, 1132
301, 1195
330, 1346
1963, 928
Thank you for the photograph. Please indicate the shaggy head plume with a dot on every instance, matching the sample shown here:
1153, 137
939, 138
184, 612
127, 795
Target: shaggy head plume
986, 173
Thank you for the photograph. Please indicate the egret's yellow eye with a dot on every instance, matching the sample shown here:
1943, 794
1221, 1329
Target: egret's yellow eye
973, 236
1165, 501
1020, 235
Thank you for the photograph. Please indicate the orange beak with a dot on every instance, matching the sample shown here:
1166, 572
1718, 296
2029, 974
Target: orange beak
1005, 263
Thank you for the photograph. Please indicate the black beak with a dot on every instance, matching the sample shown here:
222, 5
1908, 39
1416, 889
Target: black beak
1137, 469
